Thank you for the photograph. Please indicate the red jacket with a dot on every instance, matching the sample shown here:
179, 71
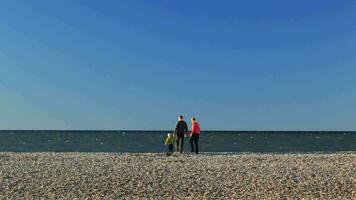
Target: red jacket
195, 128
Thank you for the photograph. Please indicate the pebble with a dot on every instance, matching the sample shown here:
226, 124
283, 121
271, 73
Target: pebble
155, 176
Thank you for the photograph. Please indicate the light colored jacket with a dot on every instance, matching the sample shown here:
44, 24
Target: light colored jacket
169, 140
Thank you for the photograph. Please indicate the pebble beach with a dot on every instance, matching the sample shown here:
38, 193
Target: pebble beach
187, 176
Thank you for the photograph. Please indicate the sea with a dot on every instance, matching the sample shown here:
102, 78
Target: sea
153, 141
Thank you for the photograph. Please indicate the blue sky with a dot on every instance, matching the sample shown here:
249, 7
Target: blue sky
235, 65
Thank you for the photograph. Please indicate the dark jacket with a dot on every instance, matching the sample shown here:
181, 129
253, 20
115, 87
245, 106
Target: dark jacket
181, 128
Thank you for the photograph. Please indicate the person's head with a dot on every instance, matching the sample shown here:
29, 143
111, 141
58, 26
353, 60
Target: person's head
193, 119
169, 134
180, 118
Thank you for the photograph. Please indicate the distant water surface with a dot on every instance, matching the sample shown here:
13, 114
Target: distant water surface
152, 141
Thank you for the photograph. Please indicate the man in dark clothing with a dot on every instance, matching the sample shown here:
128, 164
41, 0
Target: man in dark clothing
180, 131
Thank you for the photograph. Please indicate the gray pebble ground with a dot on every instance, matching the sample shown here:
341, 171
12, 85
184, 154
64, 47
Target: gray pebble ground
155, 176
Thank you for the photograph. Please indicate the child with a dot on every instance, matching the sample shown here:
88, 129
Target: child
169, 142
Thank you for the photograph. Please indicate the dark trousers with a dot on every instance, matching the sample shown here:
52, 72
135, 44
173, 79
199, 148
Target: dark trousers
194, 143
170, 149
180, 142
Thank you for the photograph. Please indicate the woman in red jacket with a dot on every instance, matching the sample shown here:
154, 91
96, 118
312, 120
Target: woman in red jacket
194, 136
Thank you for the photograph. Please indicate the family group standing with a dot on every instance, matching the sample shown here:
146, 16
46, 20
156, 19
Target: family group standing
180, 132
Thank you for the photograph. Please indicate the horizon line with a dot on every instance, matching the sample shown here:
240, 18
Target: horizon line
157, 130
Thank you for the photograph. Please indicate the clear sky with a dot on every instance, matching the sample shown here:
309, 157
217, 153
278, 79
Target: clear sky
126, 64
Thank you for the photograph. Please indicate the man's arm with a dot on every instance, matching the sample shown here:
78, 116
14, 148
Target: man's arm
175, 130
186, 128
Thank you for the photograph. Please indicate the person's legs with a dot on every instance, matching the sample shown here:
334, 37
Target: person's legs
181, 144
177, 143
196, 144
191, 143
170, 149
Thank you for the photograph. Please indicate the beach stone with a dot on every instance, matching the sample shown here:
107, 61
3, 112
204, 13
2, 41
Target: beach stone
187, 176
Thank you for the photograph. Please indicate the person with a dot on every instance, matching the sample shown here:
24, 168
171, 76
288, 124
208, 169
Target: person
194, 136
180, 131
169, 142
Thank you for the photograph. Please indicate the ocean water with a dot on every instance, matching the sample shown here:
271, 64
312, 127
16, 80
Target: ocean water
153, 141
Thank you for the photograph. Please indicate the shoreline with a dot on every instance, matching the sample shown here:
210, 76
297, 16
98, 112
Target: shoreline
187, 153
228, 175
